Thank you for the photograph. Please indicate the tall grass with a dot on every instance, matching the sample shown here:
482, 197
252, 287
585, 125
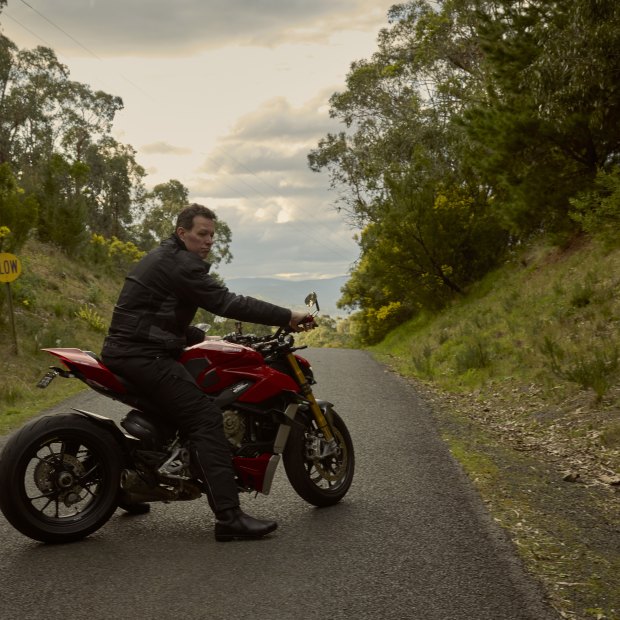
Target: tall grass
549, 319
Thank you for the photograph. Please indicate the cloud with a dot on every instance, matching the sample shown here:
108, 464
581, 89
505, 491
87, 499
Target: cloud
163, 148
271, 144
266, 249
277, 118
281, 213
164, 28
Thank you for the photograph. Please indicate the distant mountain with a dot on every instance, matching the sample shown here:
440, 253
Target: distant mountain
291, 293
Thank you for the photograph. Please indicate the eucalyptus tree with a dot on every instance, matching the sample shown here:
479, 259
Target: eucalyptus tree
114, 187
399, 165
159, 209
30, 87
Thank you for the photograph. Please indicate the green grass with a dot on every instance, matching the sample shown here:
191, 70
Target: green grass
551, 318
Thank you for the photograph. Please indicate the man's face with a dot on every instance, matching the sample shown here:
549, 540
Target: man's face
199, 238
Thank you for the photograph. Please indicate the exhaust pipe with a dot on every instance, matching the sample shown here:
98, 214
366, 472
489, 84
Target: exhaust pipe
135, 489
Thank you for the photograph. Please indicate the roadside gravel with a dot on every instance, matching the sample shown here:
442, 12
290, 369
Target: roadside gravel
550, 483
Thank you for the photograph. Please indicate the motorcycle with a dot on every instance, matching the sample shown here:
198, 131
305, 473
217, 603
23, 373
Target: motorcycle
63, 476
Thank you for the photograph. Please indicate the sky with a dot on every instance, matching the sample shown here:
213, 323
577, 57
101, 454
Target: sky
228, 97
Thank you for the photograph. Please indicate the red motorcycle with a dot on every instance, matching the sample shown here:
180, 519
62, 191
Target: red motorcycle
63, 476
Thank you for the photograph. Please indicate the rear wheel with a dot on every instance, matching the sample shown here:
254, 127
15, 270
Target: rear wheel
59, 478
320, 481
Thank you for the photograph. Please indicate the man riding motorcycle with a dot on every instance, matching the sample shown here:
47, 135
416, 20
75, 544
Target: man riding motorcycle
150, 328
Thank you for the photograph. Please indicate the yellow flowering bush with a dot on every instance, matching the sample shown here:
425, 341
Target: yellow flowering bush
114, 252
5, 231
89, 316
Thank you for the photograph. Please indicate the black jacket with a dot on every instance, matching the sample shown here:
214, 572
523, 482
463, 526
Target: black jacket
161, 296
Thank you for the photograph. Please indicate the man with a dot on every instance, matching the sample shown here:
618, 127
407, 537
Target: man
151, 326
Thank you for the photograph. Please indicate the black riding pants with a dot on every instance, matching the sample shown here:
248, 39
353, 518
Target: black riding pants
173, 391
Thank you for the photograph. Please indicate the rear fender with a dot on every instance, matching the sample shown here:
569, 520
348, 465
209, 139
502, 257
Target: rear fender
124, 440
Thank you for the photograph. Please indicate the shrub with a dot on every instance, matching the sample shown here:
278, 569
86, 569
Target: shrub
583, 292
94, 321
113, 252
473, 355
595, 368
598, 210
423, 363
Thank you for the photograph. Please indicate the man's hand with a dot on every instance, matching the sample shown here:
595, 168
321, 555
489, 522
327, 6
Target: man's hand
296, 323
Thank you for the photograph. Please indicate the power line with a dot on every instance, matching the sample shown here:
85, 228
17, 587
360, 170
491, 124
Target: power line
49, 21
34, 34
81, 45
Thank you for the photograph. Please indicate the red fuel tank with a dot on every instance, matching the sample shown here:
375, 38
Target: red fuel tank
216, 365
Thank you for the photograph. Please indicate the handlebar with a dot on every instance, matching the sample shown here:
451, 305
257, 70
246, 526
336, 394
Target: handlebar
281, 340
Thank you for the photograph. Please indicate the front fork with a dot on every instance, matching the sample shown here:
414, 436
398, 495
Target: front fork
331, 446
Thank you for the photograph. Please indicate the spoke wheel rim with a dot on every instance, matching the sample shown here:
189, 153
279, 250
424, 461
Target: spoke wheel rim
329, 473
62, 480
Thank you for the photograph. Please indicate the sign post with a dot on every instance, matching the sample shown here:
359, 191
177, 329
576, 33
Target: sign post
10, 269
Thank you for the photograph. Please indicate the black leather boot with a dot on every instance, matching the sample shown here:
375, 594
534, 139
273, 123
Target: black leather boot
234, 523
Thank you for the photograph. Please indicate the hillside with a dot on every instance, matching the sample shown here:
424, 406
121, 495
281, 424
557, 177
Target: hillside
57, 302
523, 377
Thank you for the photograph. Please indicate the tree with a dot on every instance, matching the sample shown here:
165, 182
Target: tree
551, 119
18, 210
114, 187
63, 206
160, 207
424, 213
51, 125
30, 87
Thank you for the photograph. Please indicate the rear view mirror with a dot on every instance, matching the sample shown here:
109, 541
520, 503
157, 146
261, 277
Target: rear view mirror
311, 300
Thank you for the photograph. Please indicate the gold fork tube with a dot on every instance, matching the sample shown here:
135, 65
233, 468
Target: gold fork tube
306, 390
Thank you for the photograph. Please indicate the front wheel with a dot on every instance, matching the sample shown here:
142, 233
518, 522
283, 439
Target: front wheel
320, 481
59, 478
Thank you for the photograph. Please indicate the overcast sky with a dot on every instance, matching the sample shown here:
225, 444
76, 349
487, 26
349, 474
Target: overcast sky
228, 97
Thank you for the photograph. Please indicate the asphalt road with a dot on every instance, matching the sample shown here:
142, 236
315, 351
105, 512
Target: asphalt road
411, 540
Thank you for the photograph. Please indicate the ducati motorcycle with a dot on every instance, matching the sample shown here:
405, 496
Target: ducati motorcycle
62, 476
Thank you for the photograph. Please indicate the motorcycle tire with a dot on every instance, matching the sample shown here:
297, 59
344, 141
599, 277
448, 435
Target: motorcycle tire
321, 482
59, 478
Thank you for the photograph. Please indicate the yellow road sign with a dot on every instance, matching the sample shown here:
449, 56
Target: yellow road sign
10, 267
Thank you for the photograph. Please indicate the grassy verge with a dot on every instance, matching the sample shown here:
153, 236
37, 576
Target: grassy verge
57, 303
523, 376
563, 531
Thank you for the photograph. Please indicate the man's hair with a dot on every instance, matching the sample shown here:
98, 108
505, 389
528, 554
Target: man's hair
185, 219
